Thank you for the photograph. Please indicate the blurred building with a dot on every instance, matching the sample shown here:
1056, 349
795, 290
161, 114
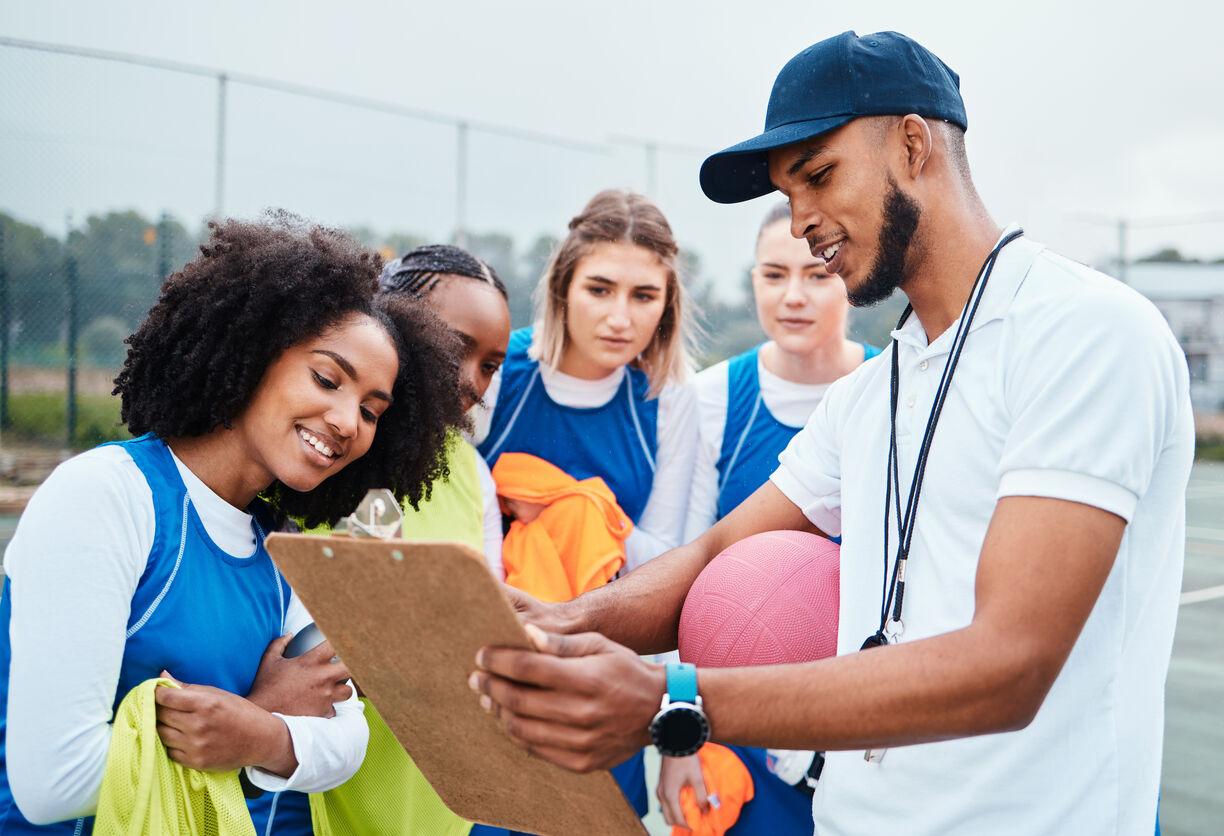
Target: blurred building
1191, 297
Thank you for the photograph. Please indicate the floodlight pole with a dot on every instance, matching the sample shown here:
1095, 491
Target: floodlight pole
1125, 225
73, 310
652, 169
461, 164
651, 148
224, 78
163, 248
4, 336
219, 194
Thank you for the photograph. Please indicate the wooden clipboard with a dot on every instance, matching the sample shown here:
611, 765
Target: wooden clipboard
407, 617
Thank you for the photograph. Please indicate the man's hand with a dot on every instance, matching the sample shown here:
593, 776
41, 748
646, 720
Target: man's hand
304, 686
641, 610
582, 702
548, 617
210, 729
674, 775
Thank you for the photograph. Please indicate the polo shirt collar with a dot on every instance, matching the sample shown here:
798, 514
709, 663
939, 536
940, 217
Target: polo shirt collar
1011, 266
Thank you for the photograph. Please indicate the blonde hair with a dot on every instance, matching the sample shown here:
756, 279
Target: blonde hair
616, 216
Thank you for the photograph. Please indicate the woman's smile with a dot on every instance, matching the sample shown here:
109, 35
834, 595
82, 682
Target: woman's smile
320, 445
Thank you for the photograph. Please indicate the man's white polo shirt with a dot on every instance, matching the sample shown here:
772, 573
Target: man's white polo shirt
1070, 386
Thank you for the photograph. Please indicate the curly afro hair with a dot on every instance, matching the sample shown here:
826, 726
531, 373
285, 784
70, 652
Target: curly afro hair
257, 288
407, 454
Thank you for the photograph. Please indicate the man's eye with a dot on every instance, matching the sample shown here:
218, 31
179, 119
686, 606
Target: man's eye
819, 177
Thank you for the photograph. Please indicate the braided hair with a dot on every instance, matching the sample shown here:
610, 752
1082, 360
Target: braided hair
418, 272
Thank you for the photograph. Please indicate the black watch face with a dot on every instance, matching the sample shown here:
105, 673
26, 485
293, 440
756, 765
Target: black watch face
680, 731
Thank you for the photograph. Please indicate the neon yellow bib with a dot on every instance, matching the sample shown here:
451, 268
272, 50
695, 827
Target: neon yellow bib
144, 793
388, 796
455, 509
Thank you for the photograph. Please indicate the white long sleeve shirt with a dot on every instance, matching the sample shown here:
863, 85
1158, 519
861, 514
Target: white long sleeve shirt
77, 556
791, 403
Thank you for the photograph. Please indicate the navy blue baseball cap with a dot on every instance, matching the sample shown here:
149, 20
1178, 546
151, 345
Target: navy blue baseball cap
826, 86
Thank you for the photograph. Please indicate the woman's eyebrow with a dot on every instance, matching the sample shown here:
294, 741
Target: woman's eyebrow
603, 280
347, 368
344, 364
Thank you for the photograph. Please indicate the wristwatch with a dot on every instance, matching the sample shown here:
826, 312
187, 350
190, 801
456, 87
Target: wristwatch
680, 728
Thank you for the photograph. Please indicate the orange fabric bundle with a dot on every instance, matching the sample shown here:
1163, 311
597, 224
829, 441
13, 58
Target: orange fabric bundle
576, 544
726, 775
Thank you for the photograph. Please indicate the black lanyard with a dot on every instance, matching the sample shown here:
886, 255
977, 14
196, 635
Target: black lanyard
893, 593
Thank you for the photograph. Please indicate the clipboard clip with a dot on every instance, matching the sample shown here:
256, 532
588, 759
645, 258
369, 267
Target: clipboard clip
378, 515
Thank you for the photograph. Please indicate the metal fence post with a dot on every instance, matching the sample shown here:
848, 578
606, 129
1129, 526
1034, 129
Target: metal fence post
163, 252
219, 193
73, 305
4, 336
461, 172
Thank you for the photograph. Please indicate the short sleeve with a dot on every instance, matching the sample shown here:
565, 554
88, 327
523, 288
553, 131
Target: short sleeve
1094, 389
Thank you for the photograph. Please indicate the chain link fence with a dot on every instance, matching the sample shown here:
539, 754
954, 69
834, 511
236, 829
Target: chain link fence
66, 306
111, 164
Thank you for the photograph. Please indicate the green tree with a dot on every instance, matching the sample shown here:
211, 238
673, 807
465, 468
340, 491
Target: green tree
522, 285
728, 327
102, 341
399, 243
1166, 255
120, 260
34, 262
120, 257
874, 324
496, 249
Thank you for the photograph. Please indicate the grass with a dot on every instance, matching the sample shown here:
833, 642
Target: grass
1209, 448
42, 417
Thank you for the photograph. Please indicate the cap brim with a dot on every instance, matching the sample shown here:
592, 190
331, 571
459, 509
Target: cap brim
741, 172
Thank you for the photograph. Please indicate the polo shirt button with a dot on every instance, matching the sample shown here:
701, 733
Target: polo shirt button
911, 400
923, 366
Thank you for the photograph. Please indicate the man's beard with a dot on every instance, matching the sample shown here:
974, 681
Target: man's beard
901, 214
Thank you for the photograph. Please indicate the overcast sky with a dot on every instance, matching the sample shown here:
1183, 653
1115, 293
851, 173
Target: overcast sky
1079, 112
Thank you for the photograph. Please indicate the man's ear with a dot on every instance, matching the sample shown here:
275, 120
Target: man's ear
917, 141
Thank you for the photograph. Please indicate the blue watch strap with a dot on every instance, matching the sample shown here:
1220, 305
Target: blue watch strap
681, 682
